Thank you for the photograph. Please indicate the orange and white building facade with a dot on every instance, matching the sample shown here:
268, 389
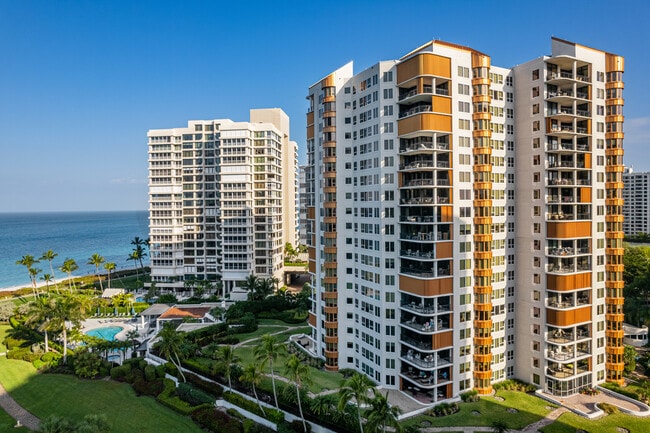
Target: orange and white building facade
464, 220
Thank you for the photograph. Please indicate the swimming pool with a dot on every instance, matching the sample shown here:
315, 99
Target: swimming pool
106, 333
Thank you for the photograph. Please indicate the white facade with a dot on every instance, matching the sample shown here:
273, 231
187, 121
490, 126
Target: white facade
636, 207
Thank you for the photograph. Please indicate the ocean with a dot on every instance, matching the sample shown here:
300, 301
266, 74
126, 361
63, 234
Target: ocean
76, 235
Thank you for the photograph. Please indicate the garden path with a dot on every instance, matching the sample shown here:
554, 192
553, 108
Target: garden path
17, 411
285, 329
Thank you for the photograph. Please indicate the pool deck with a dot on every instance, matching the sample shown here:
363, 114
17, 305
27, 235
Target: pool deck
125, 323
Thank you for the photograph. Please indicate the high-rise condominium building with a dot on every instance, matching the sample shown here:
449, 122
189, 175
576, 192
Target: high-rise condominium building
465, 220
222, 200
636, 207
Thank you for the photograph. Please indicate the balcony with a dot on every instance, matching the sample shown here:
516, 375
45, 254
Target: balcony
428, 326
428, 255
415, 110
426, 308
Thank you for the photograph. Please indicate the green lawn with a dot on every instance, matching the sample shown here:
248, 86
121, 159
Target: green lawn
3, 333
569, 422
75, 398
529, 410
7, 423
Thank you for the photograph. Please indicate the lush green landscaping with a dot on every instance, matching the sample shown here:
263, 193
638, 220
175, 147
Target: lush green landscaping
76, 398
570, 422
529, 410
7, 423
3, 334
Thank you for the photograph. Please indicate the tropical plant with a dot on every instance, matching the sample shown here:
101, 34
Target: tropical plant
48, 256
270, 350
86, 364
68, 308
355, 387
499, 426
381, 414
300, 374
97, 260
40, 312
323, 405
138, 254
226, 359
29, 261
33, 273
290, 252
253, 374
250, 285
68, 267
47, 278
110, 267
169, 346
629, 358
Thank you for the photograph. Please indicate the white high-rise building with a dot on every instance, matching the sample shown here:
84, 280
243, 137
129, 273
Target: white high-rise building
636, 205
465, 220
222, 200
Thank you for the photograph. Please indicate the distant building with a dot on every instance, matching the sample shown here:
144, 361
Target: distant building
636, 202
303, 197
465, 220
222, 200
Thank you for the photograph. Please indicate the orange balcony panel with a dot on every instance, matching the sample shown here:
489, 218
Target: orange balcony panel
482, 324
480, 168
330, 98
615, 350
482, 116
482, 185
481, 151
329, 250
615, 284
331, 340
567, 318
483, 307
483, 374
485, 342
446, 214
614, 185
620, 366
312, 253
329, 174
329, 129
442, 340
479, 81
482, 220
330, 235
615, 85
310, 118
331, 325
311, 213
614, 317
424, 122
483, 290
330, 280
615, 101
329, 189
441, 104
614, 235
423, 64
482, 203
331, 354
329, 220
332, 367
329, 159
331, 310
312, 266
482, 238
311, 319
444, 250
481, 133
614, 219
617, 135
610, 333
614, 268
310, 132
482, 272
585, 194
615, 151
568, 230
563, 283
479, 256
614, 202
330, 265
328, 81
329, 295
329, 205
483, 358
439, 286
615, 301
331, 113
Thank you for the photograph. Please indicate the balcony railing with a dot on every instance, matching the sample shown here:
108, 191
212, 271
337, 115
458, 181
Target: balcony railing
415, 110
418, 254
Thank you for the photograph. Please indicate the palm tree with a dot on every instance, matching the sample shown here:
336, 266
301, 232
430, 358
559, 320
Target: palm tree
356, 387
68, 267
300, 374
138, 241
134, 256
226, 358
28, 261
138, 254
382, 414
67, 308
323, 405
40, 312
110, 267
48, 256
97, 260
270, 350
169, 346
132, 337
253, 374
48, 279
250, 285
33, 273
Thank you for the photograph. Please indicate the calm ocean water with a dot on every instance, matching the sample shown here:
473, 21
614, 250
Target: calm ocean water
76, 235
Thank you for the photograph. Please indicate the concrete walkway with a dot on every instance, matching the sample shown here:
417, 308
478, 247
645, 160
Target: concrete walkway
16, 411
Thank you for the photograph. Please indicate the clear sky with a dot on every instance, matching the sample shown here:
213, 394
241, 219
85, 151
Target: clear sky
81, 82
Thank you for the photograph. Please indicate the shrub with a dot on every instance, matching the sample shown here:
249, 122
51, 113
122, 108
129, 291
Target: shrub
167, 398
211, 388
151, 388
251, 426
616, 388
293, 427
444, 409
119, 373
347, 372
149, 373
14, 343
87, 364
514, 385
607, 408
39, 364
273, 415
470, 396
216, 420
193, 396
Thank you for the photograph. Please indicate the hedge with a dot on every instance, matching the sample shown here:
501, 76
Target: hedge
211, 388
274, 415
175, 403
216, 421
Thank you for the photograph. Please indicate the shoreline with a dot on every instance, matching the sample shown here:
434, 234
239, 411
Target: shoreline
55, 281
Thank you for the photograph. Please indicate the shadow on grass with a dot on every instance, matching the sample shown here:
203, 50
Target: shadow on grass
571, 423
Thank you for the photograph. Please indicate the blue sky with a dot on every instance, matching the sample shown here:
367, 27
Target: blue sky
81, 82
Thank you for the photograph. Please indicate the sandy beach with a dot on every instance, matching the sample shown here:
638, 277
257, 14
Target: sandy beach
38, 285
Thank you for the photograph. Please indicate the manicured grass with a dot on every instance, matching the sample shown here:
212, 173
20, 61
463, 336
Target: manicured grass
569, 422
7, 423
529, 410
261, 330
75, 398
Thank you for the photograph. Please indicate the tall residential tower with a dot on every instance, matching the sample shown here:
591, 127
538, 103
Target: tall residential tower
222, 200
464, 220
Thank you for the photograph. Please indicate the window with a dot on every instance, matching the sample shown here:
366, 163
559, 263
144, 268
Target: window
463, 124
536, 74
535, 91
388, 76
535, 108
388, 127
463, 106
388, 93
536, 125
463, 89
463, 72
